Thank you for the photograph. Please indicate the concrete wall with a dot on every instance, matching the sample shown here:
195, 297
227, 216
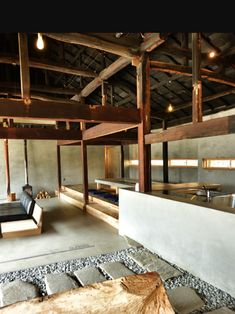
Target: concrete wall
42, 163
198, 239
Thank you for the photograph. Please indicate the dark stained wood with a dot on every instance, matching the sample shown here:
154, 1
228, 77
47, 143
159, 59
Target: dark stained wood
196, 78
93, 42
60, 111
151, 41
106, 129
40, 134
6, 154
165, 155
143, 103
59, 169
84, 168
48, 65
214, 127
122, 160
187, 70
26, 170
113, 68
106, 161
104, 93
24, 66
134, 294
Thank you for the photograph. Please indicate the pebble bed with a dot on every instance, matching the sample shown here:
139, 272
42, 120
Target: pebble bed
213, 297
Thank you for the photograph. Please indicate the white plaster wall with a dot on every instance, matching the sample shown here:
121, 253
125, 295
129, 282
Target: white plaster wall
198, 239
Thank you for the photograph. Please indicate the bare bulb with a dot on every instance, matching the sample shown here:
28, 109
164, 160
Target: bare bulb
170, 108
40, 42
212, 54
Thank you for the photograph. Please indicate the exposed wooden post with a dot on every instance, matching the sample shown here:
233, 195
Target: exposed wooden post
165, 155
111, 93
59, 169
143, 103
26, 163
84, 167
122, 162
6, 153
106, 161
196, 78
104, 93
24, 67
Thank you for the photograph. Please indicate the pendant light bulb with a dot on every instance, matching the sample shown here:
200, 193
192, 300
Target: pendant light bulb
170, 108
40, 42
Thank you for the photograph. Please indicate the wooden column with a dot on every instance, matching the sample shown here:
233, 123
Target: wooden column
143, 103
165, 155
106, 161
6, 153
104, 93
26, 172
84, 168
196, 78
122, 162
59, 169
111, 93
24, 67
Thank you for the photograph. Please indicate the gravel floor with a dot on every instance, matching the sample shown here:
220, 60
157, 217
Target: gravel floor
213, 297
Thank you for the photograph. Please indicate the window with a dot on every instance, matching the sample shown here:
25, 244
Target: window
218, 163
187, 163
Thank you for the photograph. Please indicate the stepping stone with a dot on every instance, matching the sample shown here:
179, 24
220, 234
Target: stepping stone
184, 300
132, 242
222, 310
58, 283
16, 291
151, 263
89, 275
116, 270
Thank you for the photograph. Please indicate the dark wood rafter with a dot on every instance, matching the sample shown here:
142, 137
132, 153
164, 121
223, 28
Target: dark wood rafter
84, 168
60, 111
49, 65
24, 67
104, 129
187, 70
59, 169
196, 78
6, 154
143, 103
93, 42
165, 156
214, 127
39, 134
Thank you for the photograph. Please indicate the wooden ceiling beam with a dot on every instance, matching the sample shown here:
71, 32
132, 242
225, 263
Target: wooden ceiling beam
187, 70
94, 42
24, 66
52, 66
152, 41
106, 129
60, 111
39, 134
214, 127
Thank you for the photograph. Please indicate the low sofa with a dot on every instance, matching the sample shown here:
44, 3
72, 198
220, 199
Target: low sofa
21, 218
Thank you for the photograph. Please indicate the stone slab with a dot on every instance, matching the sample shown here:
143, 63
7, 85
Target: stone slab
116, 269
222, 310
184, 300
151, 262
58, 283
16, 291
89, 276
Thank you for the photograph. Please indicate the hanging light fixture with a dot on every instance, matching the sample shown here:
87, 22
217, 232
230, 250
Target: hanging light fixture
212, 54
170, 108
40, 42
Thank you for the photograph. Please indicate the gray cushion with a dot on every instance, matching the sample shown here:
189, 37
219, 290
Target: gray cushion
27, 202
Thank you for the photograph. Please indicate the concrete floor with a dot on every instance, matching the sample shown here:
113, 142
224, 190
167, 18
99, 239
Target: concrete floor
68, 233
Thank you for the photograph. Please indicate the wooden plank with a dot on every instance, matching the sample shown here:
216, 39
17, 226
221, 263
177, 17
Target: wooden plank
196, 78
106, 161
214, 127
187, 70
106, 129
93, 42
84, 168
48, 65
59, 169
40, 134
113, 68
6, 154
60, 111
24, 66
152, 41
104, 93
142, 293
143, 103
122, 161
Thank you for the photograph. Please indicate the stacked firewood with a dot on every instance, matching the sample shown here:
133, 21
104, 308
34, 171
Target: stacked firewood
43, 194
